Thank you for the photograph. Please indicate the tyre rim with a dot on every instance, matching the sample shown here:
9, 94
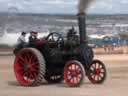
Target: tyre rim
72, 74
97, 72
26, 67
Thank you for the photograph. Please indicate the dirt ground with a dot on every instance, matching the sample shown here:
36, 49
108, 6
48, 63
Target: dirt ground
116, 83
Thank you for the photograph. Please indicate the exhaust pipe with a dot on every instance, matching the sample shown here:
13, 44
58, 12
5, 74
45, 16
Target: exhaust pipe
82, 27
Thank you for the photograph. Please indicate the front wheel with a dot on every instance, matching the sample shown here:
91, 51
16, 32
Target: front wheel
97, 72
74, 73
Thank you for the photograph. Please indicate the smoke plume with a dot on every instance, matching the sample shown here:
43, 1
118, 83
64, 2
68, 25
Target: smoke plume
83, 5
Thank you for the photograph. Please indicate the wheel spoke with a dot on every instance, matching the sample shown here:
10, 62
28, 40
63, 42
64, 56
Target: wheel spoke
28, 55
26, 59
27, 78
94, 66
77, 79
102, 70
69, 77
97, 65
35, 70
76, 67
79, 76
34, 60
34, 64
30, 59
72, 66
25, 74
94, 77
100, 66
79, 71
32, 75
21, 58
21, 64
72, 80
35, 74
35, 67
99, 78
22, 71
101, 75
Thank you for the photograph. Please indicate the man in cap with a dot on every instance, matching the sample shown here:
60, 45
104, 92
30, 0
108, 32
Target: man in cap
32, 37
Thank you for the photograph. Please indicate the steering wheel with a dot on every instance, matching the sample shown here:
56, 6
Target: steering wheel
55, 38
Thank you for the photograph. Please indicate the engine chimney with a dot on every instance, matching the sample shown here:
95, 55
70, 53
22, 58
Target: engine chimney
82, 27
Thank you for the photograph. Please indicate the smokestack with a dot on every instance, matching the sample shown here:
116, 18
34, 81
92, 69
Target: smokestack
82, 8
82, 27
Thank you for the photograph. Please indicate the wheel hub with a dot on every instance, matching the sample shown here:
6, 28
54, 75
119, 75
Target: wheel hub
98, 71
74, 73
27, 67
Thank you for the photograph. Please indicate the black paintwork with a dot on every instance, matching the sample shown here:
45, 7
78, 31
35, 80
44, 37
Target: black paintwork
57, 53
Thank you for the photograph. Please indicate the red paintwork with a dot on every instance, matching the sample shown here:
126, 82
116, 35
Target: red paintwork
72, 74
41, 42
98, 69
26, 76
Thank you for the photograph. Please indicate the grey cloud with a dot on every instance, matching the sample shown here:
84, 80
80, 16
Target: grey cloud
63, 6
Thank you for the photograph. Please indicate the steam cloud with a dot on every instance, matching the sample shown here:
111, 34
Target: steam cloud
83, 5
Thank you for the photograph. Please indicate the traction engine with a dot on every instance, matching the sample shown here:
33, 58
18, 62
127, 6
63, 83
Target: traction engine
56, 58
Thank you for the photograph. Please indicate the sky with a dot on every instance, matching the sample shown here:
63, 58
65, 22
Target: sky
63, 6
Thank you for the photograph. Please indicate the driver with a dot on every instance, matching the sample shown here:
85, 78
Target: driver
33, 37
71, 35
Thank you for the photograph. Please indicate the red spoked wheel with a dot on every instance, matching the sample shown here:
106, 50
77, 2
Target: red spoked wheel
74, 73
97, 72
29, 67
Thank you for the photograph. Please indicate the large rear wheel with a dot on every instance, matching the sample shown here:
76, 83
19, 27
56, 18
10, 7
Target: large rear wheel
29, 67
74, 73
97, 72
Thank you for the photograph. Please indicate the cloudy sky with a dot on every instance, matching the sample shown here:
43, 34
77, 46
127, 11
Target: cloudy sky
63, 6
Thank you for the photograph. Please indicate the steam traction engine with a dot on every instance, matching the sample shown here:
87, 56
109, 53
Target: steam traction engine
55, 59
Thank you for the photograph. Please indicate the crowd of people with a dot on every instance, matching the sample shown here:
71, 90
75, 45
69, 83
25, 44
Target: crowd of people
21, 42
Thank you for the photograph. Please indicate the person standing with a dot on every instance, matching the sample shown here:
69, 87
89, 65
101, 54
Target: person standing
21, 40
